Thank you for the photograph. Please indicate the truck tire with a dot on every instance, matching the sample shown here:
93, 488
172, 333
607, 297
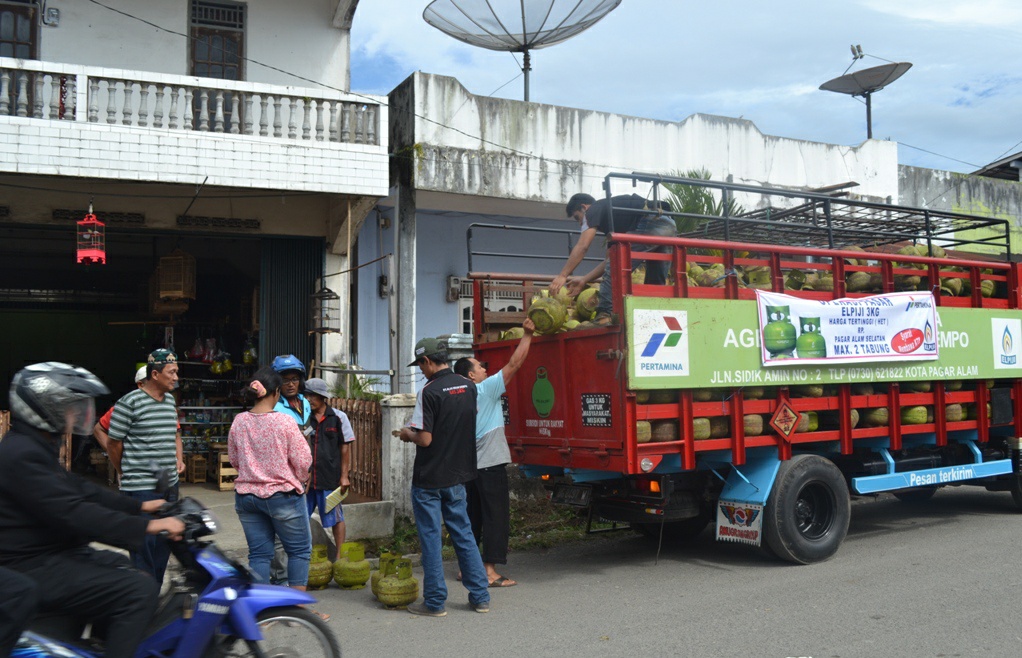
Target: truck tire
1016, 492
675, 531
807, 513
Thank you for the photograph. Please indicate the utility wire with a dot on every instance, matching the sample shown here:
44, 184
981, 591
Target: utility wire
939, 155
346, 91
428, 119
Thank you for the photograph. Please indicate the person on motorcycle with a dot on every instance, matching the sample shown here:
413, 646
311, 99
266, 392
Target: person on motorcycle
48, 516
18, 606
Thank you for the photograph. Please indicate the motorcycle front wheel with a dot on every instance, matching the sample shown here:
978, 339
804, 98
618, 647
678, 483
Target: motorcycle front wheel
290, 632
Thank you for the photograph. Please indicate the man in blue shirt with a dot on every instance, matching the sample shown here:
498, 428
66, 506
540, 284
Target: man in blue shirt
489, 503
292, 403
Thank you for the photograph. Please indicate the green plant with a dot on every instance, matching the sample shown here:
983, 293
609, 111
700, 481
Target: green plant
355, 386
697, 201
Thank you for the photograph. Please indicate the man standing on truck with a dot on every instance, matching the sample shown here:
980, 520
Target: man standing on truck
631, 214
489, 502
443, 430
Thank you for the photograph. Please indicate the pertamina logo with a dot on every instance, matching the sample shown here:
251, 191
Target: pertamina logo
660, 343
668, 339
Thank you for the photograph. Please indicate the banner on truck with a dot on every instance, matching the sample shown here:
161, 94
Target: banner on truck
900, 326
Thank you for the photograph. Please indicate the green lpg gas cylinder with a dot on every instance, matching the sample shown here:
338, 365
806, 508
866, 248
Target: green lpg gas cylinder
320, 568
386, 567
398, 589
543, 393
779, 333
811, 344
353, 572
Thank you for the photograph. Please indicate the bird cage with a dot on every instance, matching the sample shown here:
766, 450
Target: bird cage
326, 312
91, 241
177, 276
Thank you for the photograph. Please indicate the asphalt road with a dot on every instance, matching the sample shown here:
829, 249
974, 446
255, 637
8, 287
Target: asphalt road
938, 579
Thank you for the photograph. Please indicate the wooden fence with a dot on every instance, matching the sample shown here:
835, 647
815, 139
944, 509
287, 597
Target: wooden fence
366, 419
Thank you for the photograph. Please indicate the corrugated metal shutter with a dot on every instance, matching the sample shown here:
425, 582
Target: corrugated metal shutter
290, 268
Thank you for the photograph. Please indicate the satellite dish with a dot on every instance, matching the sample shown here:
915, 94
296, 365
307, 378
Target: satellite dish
516, 26
864, 83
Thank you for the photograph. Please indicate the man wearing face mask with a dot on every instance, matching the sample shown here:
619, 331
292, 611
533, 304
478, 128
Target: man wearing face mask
293, 404
49, 517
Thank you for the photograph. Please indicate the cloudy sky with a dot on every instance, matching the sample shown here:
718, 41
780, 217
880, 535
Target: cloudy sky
956, 109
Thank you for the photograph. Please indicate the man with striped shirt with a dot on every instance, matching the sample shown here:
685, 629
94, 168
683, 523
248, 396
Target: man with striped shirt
144, 436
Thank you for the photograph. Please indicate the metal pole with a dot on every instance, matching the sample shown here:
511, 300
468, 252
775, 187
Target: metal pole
869, 115
526, 67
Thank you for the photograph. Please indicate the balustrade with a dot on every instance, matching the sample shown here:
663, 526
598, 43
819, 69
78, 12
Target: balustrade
37, 93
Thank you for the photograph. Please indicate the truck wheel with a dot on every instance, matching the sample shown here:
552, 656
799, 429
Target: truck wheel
675, 531
1016, 492
915, 496
807, 513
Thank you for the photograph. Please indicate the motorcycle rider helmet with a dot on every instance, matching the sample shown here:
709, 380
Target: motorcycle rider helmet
56, 397
288, 363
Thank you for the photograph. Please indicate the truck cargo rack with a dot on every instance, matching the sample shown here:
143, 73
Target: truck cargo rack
815, 219
592, 360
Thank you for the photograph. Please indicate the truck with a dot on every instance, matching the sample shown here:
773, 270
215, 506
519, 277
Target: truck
807, 348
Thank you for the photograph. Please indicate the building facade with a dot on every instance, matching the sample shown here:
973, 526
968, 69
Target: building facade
223, 131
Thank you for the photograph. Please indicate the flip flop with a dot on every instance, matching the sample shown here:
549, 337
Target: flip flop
503, 582
322, 615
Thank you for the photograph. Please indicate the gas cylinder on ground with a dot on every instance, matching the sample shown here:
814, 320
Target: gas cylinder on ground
398, 589
352, 572
386, 567
320, 568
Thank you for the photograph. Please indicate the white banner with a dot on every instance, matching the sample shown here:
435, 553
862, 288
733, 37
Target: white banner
900, 326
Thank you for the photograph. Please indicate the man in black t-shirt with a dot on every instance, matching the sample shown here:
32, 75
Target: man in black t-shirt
631, 214
443, 431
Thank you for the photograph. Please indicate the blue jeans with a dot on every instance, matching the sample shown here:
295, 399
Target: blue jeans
283, 515
656, 270
155, 553
449, 506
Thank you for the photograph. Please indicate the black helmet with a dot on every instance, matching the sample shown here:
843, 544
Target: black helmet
42, 395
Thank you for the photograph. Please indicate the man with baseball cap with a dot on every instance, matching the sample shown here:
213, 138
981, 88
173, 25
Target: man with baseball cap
331, 456
144, 433
443, 430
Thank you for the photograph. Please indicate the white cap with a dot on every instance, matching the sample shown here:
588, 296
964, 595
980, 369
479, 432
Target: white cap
140, 375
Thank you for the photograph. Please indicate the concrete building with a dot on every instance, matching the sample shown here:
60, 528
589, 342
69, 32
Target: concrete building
187, 126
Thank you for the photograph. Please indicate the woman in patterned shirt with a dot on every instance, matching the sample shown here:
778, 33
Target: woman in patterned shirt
273, 460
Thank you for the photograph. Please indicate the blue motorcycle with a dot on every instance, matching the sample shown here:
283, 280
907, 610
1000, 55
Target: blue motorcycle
214, 609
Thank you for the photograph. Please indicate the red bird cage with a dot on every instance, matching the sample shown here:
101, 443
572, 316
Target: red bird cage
91, 240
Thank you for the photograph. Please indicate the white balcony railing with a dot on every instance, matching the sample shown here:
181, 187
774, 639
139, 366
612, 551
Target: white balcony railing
61, 92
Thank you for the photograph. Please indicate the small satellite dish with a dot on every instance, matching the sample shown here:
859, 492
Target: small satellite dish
865, 82
516, 26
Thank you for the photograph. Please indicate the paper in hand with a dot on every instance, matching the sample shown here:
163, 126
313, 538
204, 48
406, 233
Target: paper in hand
335, 497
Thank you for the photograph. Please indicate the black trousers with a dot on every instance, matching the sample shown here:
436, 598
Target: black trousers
18, 604
101, 587
489, 510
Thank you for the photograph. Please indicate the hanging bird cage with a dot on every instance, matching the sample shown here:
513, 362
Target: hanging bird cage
91, 240
177, 276
326, 312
